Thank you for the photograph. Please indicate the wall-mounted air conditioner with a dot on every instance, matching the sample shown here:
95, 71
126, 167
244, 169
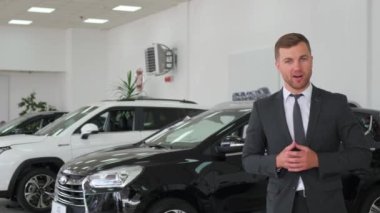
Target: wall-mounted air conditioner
159, 59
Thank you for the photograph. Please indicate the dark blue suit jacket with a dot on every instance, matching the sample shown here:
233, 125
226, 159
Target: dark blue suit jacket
331, 123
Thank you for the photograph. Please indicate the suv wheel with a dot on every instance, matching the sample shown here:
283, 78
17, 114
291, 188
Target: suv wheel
171, 205
371, 202
35, 190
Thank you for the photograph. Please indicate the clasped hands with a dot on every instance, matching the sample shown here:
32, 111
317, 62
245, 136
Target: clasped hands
297, 158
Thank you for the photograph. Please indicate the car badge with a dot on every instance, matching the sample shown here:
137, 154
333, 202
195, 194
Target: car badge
63, 180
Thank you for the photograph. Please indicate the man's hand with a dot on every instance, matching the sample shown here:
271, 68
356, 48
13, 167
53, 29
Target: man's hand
297, 158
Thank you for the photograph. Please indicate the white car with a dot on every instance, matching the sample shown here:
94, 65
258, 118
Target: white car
29, 163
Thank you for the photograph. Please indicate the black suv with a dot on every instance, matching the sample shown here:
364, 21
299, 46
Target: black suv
191, 166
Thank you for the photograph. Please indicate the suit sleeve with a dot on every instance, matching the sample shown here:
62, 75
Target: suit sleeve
355, 153
254, 159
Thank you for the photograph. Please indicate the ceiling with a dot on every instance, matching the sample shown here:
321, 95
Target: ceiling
71, 13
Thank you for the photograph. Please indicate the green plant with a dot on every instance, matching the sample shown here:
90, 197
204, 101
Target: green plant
31, 105
127, 88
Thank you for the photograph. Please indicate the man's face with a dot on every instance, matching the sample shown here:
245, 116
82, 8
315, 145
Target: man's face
295, 65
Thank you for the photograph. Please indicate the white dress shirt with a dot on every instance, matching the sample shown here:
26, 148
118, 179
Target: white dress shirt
304, 101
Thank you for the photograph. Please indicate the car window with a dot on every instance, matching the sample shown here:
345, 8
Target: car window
190, 132
9, 126
156, 118
29, 123
240, 132
115, 120
49, 119
32, 126
66, 121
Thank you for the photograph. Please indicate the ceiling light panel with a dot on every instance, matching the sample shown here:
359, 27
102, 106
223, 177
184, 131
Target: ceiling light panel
95, 21
127, 8
41, 10
20, 22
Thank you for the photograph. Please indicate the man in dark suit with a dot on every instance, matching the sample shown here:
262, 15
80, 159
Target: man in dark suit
295, 137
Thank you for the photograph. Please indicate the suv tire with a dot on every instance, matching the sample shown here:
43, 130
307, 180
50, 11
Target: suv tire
171, 205
35, 189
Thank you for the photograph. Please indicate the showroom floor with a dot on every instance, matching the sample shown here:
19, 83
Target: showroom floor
4, 203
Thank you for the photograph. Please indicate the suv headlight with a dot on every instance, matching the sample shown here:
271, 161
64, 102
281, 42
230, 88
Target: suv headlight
117, 177
4, 148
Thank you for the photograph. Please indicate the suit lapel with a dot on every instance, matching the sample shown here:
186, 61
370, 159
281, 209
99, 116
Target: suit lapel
283, 125
315, 108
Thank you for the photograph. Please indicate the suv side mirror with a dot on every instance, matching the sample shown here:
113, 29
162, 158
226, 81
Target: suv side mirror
88, 129
231, 144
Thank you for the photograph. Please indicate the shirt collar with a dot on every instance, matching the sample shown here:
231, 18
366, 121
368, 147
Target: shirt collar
306, 93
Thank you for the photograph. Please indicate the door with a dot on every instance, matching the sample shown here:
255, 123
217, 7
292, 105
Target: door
116, 127
235, 190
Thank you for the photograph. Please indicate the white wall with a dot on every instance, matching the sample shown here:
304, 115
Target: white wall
374, 51
335, 29
86, 67
4, 97
126, 52
33, 59
223, 34
32, 49
338, 35
48, 87
71, 66
216, 34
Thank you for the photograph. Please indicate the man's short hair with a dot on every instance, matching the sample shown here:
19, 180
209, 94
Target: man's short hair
290, 40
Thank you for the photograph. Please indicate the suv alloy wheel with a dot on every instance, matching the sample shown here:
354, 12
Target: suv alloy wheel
35, 190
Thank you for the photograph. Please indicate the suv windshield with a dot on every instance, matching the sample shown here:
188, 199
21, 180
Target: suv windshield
190, 132
65, 121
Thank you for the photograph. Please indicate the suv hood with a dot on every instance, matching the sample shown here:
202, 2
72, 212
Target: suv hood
20, 139
110, 158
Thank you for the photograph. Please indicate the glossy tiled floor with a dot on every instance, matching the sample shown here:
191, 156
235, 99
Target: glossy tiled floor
7, 206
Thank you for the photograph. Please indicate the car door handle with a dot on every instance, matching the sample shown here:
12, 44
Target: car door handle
64, 144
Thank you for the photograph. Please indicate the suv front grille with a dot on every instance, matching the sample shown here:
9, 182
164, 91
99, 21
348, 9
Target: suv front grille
71, 192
